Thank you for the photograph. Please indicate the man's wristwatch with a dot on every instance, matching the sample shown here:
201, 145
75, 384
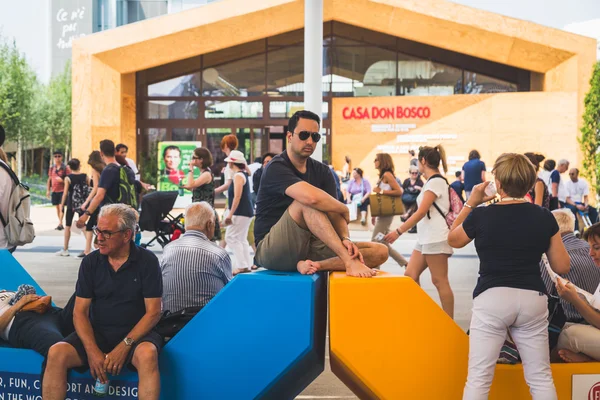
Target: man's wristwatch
128, 341
346, 238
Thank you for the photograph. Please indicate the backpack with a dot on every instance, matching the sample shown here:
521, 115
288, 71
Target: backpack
127, 194
17, 225
80, 193
456, 204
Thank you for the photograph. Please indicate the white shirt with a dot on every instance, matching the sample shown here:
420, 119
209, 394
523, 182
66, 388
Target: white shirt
5, 297
134, 168
227, 176
6, 187
562, 189
545, 176
577, 190
433, 229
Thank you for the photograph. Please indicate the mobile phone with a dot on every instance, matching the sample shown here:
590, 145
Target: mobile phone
379, 237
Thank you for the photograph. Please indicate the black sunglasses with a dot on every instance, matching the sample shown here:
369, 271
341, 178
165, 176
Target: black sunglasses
57, 156
316, 136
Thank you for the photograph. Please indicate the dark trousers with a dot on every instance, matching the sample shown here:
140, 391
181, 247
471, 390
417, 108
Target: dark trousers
39, 332
591, 212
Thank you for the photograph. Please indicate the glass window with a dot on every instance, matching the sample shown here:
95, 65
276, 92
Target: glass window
233, 109
285, 72
148, 153
363, 71
477, 83
250, 143
184, 134
186, 85
167, 109
134, 10
426, 78
245, 77
285, 109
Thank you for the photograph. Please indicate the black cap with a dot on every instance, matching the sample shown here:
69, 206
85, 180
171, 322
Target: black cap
2, 135
57, 152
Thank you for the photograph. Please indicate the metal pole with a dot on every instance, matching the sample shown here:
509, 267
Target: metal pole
313, 63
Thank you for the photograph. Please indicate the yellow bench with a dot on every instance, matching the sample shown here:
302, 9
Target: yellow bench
390, 340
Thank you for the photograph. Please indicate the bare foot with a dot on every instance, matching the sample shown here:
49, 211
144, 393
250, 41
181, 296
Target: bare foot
237, 271
359, 270
308, 267
572, 357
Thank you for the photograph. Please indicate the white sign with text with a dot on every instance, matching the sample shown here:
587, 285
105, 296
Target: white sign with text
586, 387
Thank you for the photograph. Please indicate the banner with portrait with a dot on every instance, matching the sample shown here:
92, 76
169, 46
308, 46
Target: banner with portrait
173, 167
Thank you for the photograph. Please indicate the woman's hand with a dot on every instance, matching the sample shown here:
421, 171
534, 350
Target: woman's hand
478, 195
191, 165
377, 189
566, 290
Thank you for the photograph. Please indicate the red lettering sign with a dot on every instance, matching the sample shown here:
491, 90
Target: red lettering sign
375, 112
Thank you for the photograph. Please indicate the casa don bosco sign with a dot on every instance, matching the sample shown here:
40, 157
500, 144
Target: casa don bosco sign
374, 112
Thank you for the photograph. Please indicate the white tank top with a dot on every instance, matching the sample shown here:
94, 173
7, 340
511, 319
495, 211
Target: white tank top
384, 186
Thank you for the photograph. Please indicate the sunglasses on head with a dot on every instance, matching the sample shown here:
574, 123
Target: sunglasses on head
304, 135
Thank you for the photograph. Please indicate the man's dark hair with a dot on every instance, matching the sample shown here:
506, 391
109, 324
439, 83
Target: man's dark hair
474, 154
549, 165
107, 147
458, 174
74, 164
171, 148
121, 146
293, 122
2, 135
258, 160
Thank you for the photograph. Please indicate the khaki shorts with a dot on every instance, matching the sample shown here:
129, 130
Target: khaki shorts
286, 244
434, 248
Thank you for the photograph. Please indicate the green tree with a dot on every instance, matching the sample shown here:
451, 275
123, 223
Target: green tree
590, 132
17, 84
53, 111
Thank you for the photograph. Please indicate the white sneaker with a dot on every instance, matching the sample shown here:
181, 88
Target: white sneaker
62, 253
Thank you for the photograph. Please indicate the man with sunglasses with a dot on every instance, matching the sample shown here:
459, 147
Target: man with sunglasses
578, 191
56, 185
300, 225
118, 303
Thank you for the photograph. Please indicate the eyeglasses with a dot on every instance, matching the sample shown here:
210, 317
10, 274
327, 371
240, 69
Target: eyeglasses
414, 173
196, 158
57, 156
106, 234
316, 136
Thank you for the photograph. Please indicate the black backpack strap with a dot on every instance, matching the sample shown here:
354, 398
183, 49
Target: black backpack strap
434, 203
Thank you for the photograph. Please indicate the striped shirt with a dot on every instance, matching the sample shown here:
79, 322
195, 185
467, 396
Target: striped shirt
194, 269
584, 273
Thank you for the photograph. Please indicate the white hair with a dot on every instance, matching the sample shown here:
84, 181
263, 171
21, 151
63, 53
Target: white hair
563, 162
413, 168
198, 214
565, 219
127, 217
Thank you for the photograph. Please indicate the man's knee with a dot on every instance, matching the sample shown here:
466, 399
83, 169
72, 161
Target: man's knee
60, 354
145, 356
381, 252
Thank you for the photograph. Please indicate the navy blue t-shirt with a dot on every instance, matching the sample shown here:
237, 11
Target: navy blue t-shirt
118, 297
510, 240
244, 208
473, 169
278, 175
109, 180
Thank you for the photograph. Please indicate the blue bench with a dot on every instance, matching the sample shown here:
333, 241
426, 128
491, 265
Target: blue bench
262, 337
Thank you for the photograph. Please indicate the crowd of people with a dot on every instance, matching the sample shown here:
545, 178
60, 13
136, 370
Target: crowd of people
301, 224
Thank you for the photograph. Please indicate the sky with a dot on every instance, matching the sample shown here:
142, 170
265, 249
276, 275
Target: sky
554, 13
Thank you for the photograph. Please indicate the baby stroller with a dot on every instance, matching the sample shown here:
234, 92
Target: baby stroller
156, 217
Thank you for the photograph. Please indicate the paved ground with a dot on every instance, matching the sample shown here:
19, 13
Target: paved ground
57, 276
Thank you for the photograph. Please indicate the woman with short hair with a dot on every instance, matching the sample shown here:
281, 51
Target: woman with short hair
359, 190
510, 238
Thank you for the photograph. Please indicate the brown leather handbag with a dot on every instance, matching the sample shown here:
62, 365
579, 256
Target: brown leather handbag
39, 306
384, 206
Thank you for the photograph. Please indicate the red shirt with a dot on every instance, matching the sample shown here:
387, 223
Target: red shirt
55, 172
